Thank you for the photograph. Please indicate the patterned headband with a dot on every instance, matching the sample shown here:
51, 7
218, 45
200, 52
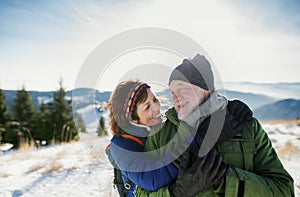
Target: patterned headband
131, 98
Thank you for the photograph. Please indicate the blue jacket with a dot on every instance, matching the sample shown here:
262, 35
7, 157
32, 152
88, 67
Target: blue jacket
150, 174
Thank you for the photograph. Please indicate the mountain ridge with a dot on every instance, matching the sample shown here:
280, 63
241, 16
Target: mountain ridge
261, 104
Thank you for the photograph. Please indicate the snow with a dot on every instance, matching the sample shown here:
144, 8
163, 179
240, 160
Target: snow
282, 133
91, 115
285, 138
82, 169
6, 147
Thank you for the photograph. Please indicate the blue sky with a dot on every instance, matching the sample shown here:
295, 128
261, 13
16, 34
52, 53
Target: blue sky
41, 41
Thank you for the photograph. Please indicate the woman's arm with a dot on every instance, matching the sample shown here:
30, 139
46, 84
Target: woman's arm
150, 174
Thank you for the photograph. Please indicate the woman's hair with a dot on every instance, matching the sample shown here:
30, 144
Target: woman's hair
118, 99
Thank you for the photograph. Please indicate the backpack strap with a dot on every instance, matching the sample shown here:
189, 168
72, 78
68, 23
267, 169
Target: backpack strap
122, 186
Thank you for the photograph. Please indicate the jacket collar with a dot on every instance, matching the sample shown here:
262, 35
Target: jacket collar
171, 115
138, 130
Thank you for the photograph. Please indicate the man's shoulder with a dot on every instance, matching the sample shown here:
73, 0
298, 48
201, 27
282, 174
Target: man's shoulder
251, 127
251, 124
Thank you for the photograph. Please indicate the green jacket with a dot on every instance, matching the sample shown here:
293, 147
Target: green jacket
254, 164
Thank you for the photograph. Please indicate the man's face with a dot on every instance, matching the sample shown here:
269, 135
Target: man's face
186, 97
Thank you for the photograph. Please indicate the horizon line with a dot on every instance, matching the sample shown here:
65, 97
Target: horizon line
110, 90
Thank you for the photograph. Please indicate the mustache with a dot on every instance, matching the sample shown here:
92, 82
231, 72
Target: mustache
180, 103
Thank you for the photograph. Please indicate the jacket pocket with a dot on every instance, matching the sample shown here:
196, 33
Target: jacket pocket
238, 152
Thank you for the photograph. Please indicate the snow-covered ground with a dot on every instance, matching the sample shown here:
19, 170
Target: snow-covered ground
286, 140
75, 169
82, 169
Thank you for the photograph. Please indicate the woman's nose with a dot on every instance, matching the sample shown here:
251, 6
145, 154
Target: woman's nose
156, 107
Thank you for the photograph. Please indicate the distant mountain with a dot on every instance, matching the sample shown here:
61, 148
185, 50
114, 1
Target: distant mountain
286, 109
277, 90
86, 96
253, 100
36, 96
88, 103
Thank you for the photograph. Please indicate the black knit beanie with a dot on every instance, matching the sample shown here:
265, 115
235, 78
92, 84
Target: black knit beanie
196, 71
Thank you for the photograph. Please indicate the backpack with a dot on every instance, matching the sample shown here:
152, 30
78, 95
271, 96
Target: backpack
122, 187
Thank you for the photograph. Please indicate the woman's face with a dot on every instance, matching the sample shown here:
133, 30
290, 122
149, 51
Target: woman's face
149, 111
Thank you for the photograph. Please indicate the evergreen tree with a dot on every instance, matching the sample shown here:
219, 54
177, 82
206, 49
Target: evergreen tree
42, 130
63, 127
13, 134
79, 123
24, 113
4, 117
101, 130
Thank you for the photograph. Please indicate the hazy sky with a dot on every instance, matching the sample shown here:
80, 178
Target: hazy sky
41, 41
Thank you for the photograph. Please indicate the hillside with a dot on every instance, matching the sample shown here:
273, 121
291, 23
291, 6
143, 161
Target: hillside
253, 100
277, 90
82, 168
287, 109
88, 102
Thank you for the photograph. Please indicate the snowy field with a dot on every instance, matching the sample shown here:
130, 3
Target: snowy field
82, 169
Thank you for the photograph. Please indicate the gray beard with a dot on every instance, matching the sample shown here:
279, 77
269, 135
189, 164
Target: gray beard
214, 103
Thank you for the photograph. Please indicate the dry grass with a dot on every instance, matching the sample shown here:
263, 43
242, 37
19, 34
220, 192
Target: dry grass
22, 156
54, 167
24, 147
4, 174
36, 168
72, 168
287, 151
297, 121
61, 154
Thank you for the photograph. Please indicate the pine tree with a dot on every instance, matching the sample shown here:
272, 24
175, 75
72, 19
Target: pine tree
4, 117
24, 114
101, 130
63, 127
80, 125
42, 131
